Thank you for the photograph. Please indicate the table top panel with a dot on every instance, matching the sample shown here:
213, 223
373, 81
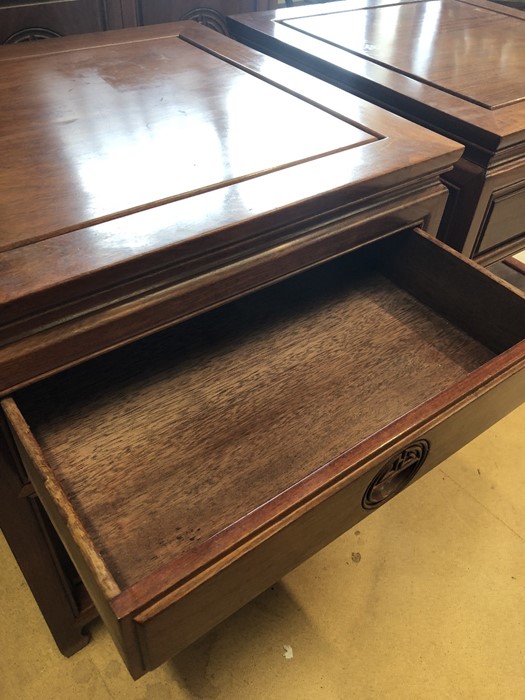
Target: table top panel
114, 129
468, 51
121, 144
452, 65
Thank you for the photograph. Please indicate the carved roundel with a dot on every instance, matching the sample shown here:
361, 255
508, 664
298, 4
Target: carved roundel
32, 34
210, 18
396, 474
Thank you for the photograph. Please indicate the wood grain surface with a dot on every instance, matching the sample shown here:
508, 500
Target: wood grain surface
164, 444
455, 65
160, 187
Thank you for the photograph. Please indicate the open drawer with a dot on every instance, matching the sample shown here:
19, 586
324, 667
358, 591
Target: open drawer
190, 470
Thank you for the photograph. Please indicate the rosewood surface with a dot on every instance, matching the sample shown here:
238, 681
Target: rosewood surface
454, 66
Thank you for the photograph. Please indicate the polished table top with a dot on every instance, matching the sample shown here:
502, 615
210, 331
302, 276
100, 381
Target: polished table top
453, 66
105, 132
461, 62
138, 159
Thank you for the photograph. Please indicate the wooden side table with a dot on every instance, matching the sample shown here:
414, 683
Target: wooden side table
453, 66
221, 346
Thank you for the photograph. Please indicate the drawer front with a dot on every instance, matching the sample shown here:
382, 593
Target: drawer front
190, 611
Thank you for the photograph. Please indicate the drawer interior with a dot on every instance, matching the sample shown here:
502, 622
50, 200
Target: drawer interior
166, 442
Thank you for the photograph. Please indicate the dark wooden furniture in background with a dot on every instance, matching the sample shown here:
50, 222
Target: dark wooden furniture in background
251, 409
211, 13
517, 4
511, 270
452, 65
22, 21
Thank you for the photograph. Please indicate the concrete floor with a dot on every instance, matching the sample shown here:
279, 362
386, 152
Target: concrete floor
423, 599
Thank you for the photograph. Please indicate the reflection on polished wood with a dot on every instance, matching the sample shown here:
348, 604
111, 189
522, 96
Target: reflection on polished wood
121, 133
436, 43
456, 67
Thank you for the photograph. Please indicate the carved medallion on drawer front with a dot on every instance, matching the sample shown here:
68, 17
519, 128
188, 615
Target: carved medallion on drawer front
397, 473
